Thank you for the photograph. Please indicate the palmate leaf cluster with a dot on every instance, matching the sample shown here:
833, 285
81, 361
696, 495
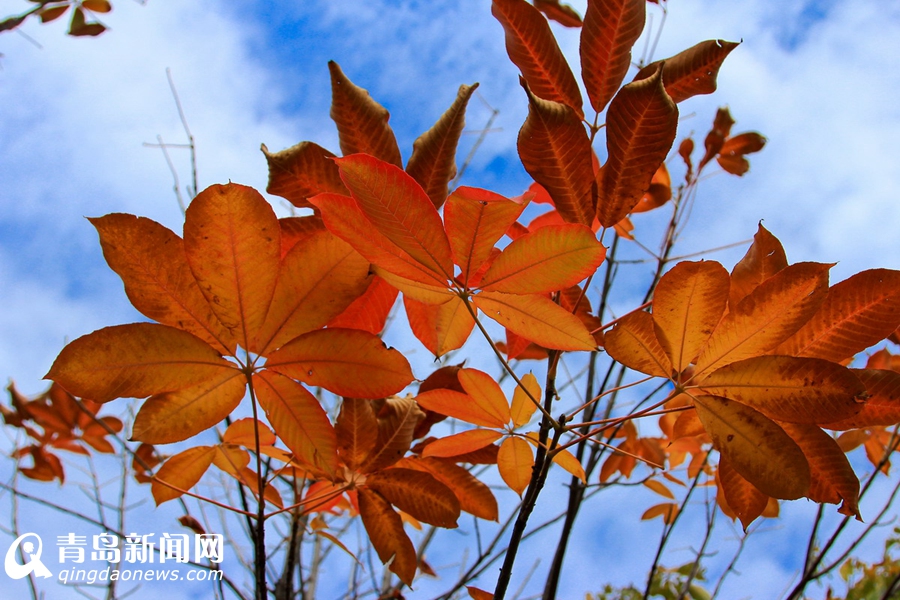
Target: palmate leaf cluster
266, 312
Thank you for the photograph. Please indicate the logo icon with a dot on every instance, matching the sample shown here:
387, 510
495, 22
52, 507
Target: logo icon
33, 563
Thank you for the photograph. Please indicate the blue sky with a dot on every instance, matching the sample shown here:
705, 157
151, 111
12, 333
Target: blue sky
818, 79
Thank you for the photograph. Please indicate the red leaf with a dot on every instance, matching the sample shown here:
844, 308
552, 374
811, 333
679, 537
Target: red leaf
610, 30
399, 209
433, 161
692, 71
370, 311
475, 220
302, 171
532, 47
641, 124
362, 123
556, 152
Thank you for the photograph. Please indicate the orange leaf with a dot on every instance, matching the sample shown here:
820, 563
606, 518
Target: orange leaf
659, 193
536, 318
362, 123
474, 496
633, 343
298, 419
245, 431
319, 278
610, 30
523, 406
232, 242
561, 13
134, 361
640, 129
465, 407
833, 479
397, 421
176, 416
433, 160
882, 406
158, 281
515, 461
370, 311
421, 292
182, 471
764, 258
399, 209
385, 529
441, 328
296, 229
767, 316
302, 171
756, 446
344, 218
324, 357
666, 510
543, 261
461, 443
78, 27
785, 388
479, 594
98, 6
688, 303
486, 394
692, 71
731, 154
747, 502
417, 493
233, 460
532, 47
356, 431
857, 313
567, 461
555, 150
52, 13
475, 220
659, 488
